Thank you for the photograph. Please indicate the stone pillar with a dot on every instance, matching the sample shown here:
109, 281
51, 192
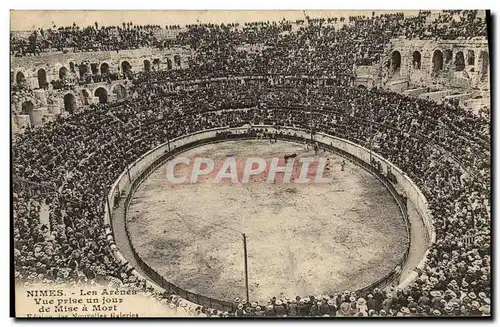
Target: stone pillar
36, 116
93, 100
13, 123
19, 106
32, 82
60, 102
55, 109
41, 96
49, 117
23, 121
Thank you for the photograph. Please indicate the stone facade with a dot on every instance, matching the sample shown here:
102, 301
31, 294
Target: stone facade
438, 68
36, 73
447, 63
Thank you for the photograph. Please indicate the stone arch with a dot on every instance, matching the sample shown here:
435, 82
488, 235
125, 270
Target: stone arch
447, 56
459, 61
85, 96
396, 61
417, 59
437, 61
119, 91
20, 78
83, 69
102, 94
156, 63
26, 107
169, 63
484, 63
471, 58
147, 65
126, 68
63, 72
105, 87
70, 102
177, 61
42, 78
104, 68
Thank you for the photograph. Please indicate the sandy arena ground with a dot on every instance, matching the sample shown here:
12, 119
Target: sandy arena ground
302, 239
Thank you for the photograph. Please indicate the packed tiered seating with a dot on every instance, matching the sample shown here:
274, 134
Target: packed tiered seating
93, 148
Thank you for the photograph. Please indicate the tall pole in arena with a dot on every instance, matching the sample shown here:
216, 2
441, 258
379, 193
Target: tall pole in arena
246, 265
371, 139
310, 113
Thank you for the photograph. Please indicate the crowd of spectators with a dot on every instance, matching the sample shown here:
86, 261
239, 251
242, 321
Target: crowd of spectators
353, 38
443, 149
90, 38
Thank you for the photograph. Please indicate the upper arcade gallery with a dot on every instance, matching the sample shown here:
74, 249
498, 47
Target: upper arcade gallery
436, 60
40, 75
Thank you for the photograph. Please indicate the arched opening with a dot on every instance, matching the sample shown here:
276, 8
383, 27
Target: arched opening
471, 58
484, 62
83, 69
437, 61
169, 63
104, 68
417, 59
26, 107
448, 55
71, 66
459, 61
126, 68
70, 103
120, 91
361, 86
20, 78
396, 60
102, 94
147, 65
156, 64
63, 72
177, 61
42, 78
86, 96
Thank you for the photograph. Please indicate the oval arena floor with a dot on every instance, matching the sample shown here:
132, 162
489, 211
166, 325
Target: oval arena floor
302, 239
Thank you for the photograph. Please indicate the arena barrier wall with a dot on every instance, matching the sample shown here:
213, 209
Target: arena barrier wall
138, 171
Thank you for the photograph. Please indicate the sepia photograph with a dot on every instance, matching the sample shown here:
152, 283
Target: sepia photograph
325, 164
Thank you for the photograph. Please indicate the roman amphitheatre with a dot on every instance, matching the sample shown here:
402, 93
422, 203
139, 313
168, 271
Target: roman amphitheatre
398, 102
